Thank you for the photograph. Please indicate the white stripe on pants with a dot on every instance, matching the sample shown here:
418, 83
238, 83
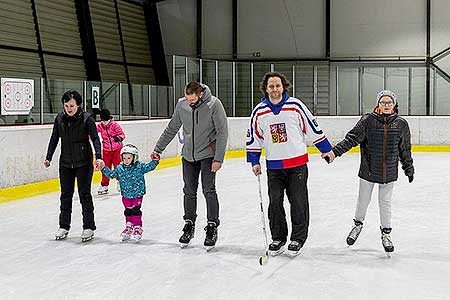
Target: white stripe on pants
384, 201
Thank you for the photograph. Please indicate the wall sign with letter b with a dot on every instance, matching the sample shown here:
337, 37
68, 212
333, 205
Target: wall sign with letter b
95, 97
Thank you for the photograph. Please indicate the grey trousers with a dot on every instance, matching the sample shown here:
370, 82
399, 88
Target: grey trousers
384, 201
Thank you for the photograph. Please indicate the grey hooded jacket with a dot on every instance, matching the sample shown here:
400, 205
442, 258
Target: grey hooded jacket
205, 128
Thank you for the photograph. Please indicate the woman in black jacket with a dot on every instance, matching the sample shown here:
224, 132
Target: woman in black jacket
75, 127
384, 138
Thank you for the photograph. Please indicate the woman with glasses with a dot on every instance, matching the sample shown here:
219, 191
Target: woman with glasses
75, 127
384, 139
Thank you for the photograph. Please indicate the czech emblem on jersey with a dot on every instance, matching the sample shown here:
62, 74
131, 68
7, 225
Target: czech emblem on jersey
278, 133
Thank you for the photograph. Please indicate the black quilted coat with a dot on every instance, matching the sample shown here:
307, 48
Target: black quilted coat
384, 140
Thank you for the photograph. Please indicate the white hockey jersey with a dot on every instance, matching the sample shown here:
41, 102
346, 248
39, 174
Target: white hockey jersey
282, 130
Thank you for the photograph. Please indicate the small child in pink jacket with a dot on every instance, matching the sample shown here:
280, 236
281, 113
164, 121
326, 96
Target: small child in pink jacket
112, 137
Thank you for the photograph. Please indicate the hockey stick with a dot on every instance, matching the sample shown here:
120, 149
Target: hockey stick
264, 259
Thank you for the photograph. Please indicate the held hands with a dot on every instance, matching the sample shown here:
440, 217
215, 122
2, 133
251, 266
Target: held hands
99, 165
215, 166
256, 170
118, 139
329, 156
155, 156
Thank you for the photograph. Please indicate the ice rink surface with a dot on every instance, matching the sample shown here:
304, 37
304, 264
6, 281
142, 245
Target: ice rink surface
35, 266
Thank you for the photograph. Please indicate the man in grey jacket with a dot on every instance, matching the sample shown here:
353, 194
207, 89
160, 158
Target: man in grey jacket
205, 131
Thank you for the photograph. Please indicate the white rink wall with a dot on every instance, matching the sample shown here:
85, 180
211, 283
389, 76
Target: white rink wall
23, 148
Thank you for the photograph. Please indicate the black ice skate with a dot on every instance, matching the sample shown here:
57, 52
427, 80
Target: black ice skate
386, 241
87, 235
276, 248
211, 236
354, 233
294, 248
188, 233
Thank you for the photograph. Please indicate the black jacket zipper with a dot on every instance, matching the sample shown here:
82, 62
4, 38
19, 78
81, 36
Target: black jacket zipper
70, 135
384, 150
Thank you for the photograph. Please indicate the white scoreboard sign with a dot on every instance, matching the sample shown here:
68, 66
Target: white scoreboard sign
17, 96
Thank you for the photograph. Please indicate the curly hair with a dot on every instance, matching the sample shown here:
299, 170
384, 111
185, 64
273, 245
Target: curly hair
284, 81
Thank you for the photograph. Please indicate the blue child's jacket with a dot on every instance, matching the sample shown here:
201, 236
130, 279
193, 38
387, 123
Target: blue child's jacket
131, 178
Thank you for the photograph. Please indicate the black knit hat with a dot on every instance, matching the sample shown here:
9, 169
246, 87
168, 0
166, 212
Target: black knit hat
105, 115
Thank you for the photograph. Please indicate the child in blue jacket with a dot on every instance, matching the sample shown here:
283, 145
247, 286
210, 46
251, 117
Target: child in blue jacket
130, 174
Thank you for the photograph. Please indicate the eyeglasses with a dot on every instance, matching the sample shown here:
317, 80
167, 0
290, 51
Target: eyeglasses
384, 103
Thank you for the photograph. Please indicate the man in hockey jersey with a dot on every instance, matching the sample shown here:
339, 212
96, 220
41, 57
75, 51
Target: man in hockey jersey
280, 124
205, 130
384, 138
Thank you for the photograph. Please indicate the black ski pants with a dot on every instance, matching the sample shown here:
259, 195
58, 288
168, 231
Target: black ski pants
191, 173
293, 181
67, 177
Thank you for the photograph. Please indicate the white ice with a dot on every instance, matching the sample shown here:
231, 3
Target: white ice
35, 266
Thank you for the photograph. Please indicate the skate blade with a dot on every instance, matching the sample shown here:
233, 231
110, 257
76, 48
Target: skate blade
293, 253
388, 254
84, 240
125, 239
278, 252
137, 239
102, 193
209, 248
59, 238
184, 245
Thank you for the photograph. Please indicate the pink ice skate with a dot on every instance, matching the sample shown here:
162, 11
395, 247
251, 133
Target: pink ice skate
126, 233
137, 232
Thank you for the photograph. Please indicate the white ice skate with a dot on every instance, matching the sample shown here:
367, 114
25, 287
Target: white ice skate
137, 233
87, 235
61, 234
103, 190
127, 232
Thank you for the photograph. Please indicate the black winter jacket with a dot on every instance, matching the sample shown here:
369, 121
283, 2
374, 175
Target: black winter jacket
74, 132
384, 139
